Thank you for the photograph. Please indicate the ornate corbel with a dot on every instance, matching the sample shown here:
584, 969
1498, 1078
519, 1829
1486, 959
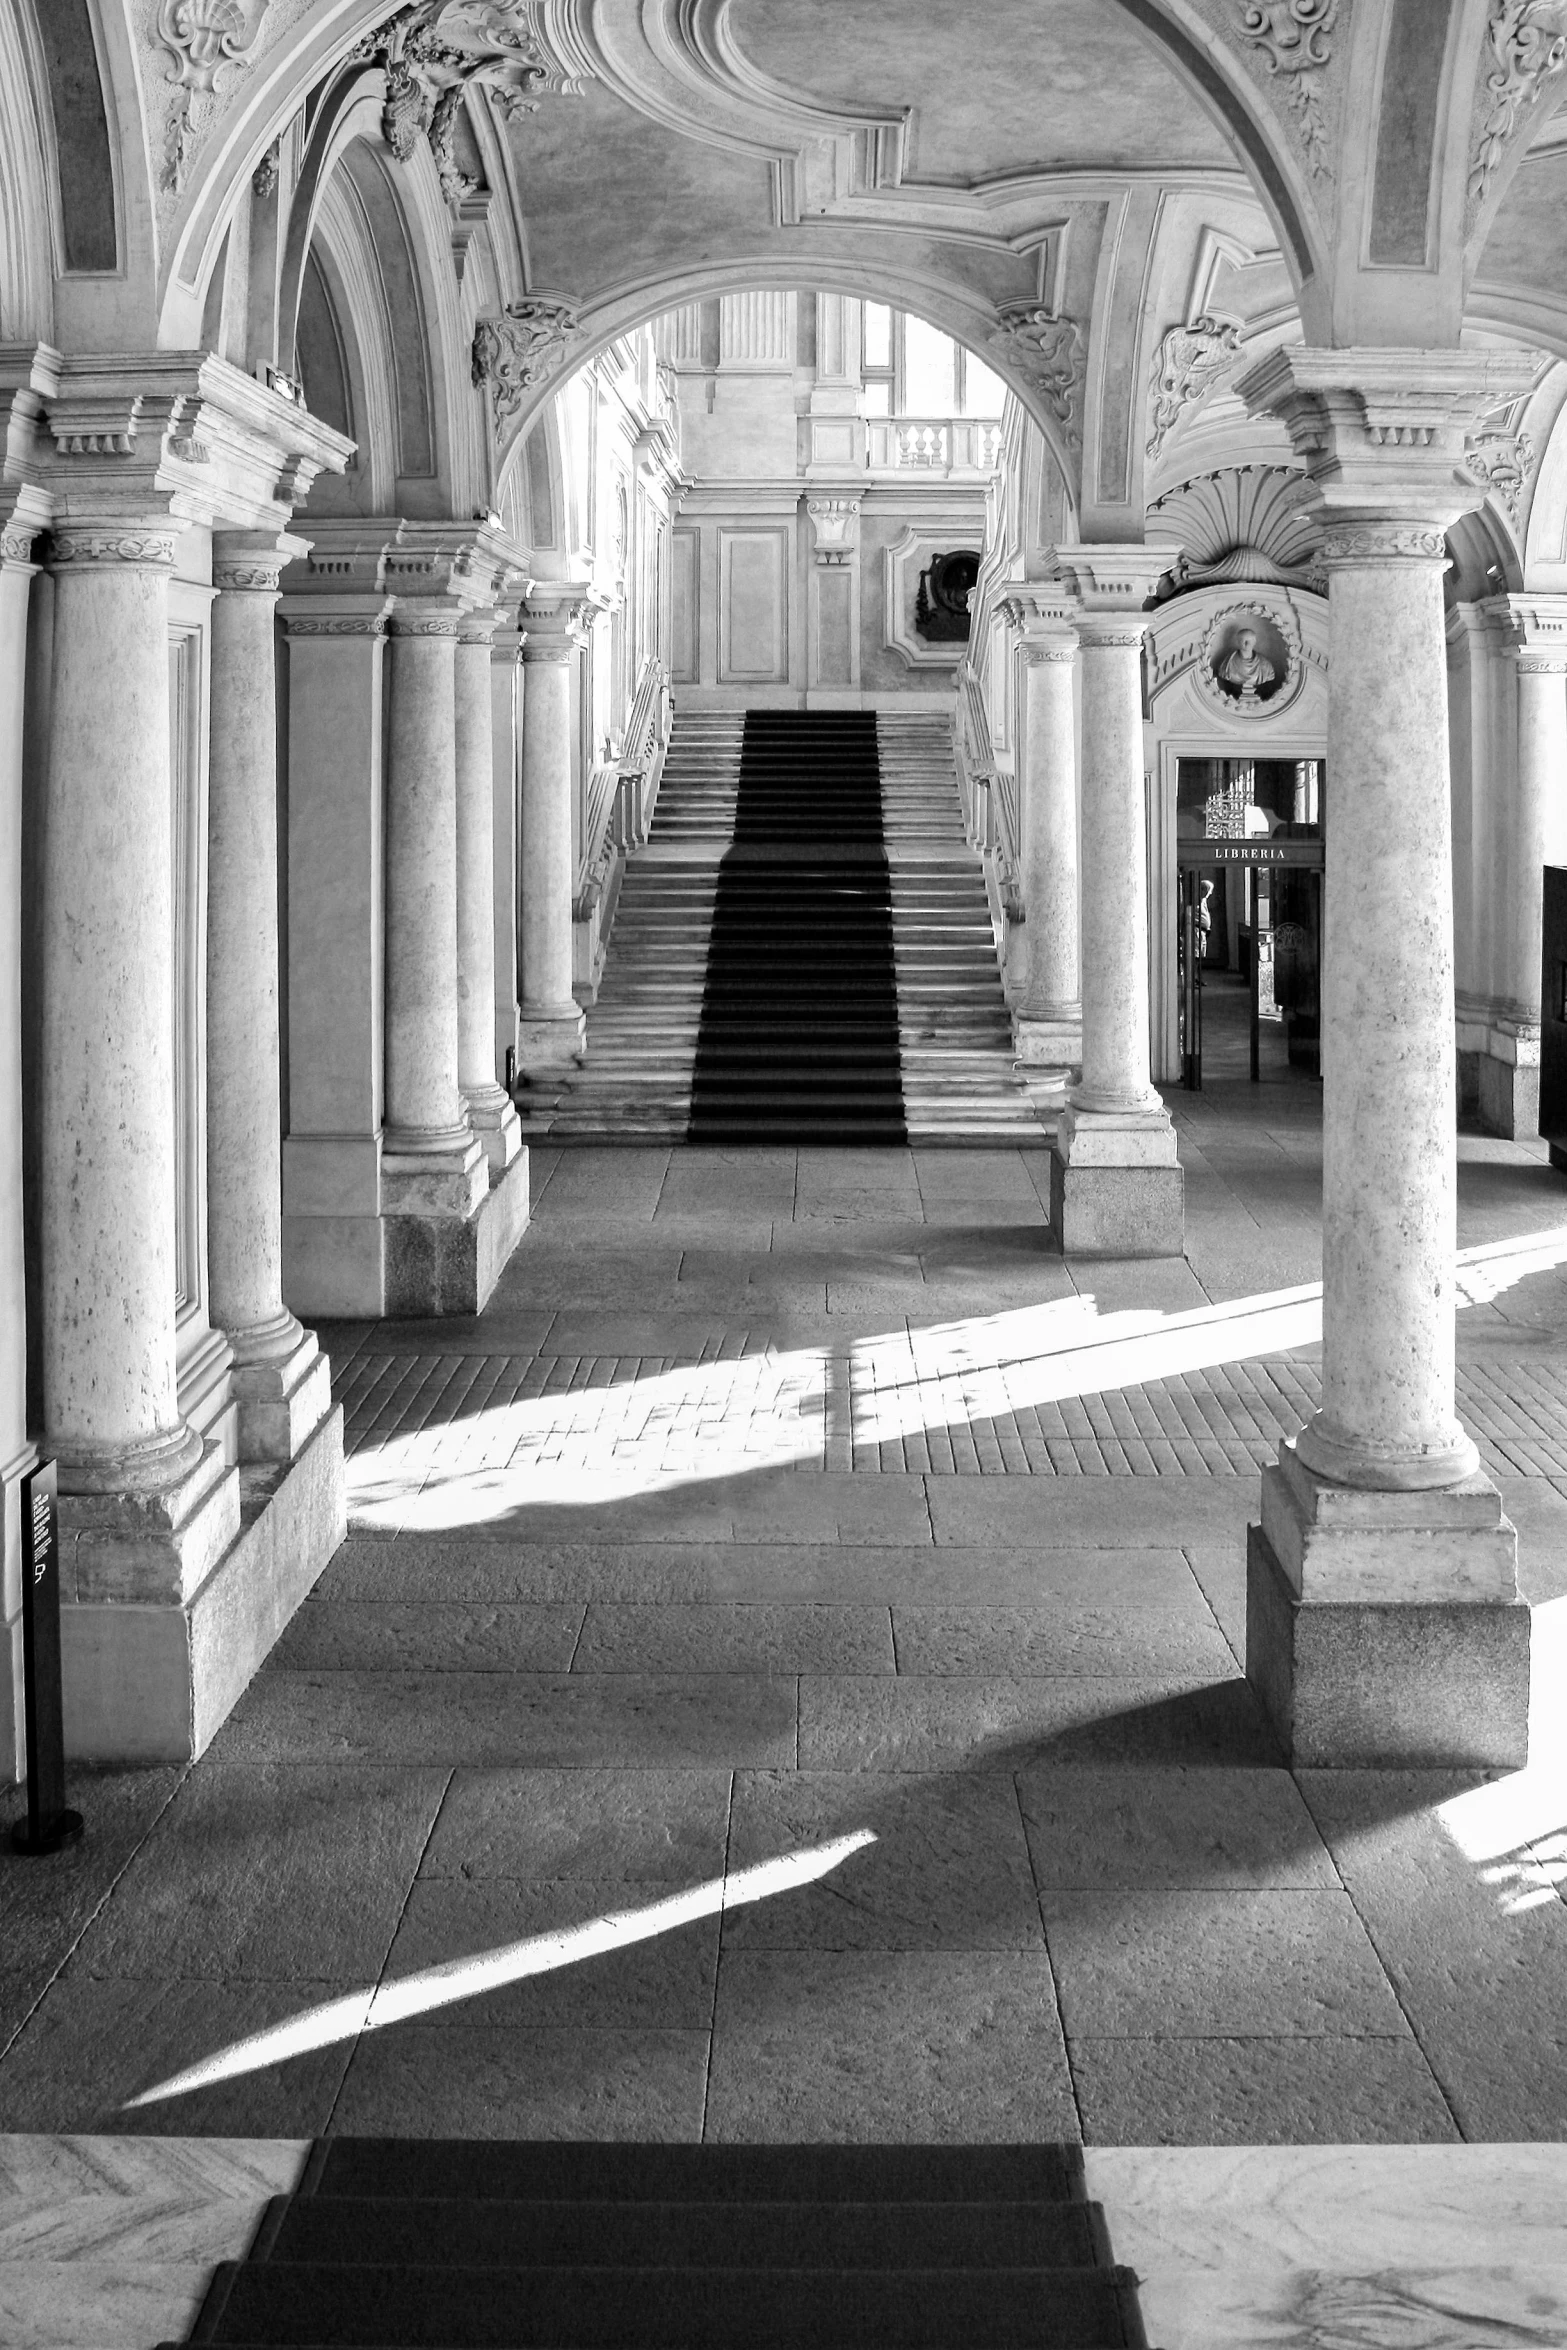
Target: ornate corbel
520, 349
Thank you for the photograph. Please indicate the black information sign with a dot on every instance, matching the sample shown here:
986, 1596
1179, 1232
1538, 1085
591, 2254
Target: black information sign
48, 1824
1197, 850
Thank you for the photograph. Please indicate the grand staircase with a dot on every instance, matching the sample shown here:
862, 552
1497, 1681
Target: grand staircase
389, 2244
802, 955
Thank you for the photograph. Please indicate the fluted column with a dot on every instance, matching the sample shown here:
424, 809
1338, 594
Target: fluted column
1383, 1623
159, 1507
1047, 1014
552, 1030
488, 1105
1117, 1185
431, 1160
281, 1379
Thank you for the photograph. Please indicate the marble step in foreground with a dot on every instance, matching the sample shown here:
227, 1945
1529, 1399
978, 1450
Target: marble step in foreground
452, 2245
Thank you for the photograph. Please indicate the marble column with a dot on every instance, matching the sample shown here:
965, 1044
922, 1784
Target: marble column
490, 1112
432, 1164
506, 724
281, 1379
1531, 818
1047, 1015
552, 1029
148, 1508
17, 1456
1117, 1186
1383, 1620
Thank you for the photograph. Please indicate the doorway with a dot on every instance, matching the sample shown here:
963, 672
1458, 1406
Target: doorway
1249, 918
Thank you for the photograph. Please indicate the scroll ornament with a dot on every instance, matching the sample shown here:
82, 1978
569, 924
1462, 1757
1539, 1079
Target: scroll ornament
520, 349
1189, 359
433, 51
1048, 349
201, 38
1294, 37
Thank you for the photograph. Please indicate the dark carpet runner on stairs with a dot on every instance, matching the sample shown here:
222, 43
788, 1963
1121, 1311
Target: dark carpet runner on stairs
508, 2245
798, 1039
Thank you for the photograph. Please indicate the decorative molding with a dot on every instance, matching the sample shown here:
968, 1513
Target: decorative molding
1035, 655
1294, 38
439, 624
554, 649
16, 544
151, 550
1504, 462
201, 37
264, 178
1047, 348
356, 624
1528, 46
1189, 359
1391, 542
835, 523
1107, 629
520, 349
1251, 522
248, 574
434, 51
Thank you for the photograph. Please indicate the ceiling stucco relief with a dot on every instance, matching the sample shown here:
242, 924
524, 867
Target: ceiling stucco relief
1504, 462
1189, 361
434, 51
1294, 50
199, 39
516, 352
1525, 52
1048, 351
1248, 522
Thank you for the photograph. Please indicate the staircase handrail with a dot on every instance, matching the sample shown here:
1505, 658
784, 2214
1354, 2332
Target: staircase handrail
622, 790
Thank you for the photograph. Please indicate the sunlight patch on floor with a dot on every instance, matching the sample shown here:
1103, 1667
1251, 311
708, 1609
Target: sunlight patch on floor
373, 2009
1514, 1830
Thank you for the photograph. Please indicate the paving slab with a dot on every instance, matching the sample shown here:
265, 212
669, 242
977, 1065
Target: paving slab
1053, 1639
656, 1828
887, 2046
948, 1869
477, 2081
1216, 2091
1097, 1829
663, 1720
332, 1635
943, 1723
1149, 1963
668, 1638
665, 1981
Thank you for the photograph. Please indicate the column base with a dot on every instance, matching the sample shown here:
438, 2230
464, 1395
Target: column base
1384, 1630
149, 1547
551, 1039
450, 1181
438, 1265
1116, 1186
13, 1761
1042, 1041
1499, 1071
150, 1682
494, 1120
283, 1398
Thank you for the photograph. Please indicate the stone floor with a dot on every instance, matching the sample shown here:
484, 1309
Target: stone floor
801, 1508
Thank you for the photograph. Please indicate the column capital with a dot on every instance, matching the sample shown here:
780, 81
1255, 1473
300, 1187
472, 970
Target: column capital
1384, 435
477, 627
555, 621
318, 616
1118, 579
25, 512
145, 543
1532, 631
418, 616
252, 561
1043, 621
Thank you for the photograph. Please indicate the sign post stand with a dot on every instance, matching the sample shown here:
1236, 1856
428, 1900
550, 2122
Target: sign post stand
48, 1824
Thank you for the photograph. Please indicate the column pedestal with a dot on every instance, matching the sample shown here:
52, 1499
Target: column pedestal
1116, 1184
1384, 1628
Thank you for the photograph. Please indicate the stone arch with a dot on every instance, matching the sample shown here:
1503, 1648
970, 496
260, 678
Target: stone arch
947, 303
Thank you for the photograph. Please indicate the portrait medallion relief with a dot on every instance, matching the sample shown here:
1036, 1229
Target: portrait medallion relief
1251, 662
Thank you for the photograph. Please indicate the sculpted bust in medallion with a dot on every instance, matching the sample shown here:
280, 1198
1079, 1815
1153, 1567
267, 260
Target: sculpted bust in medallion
1245, 671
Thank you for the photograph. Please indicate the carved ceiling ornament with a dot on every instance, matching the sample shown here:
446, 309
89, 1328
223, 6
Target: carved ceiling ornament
1504, 462
514, 352
1294, 38
433, 51
201, 37
1527, 40
1047, 348
1188, 361
1248, 522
